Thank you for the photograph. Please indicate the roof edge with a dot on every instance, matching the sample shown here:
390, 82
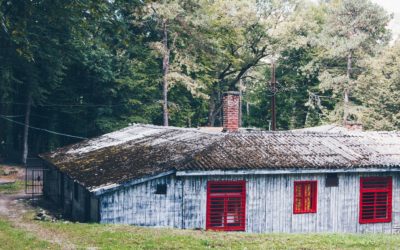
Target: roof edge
284, 171
111, 187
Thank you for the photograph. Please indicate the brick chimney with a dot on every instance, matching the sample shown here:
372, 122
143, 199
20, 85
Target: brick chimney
230, 111
353, 126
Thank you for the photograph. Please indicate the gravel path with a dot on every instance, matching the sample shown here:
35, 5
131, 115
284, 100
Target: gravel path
13, 207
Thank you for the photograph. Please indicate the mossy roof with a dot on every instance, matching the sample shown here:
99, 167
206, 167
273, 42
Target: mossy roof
147, 150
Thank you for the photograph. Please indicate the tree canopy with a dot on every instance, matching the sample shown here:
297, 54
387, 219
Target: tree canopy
71, 70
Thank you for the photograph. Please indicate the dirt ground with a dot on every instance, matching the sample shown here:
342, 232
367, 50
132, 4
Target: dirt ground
9, 201
18, 209
11, 173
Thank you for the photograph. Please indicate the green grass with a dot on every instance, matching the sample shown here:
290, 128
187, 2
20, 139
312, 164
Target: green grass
100, 236
12, 187
129, 237
13, 238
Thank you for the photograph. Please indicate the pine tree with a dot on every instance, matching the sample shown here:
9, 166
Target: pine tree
353, 29
378, 89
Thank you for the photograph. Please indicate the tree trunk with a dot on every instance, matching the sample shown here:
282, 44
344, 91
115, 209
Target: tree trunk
248, 114
165, 73
211, 110
26, 128
273, 97
347, 88
214, 109
293, 117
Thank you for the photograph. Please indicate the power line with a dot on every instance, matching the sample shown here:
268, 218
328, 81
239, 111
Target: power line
68, 105
16, 116
13, 116
41, 129
82, 105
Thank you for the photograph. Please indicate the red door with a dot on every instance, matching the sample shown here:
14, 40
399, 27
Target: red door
226, 205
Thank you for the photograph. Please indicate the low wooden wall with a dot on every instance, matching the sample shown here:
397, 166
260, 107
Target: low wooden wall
269, 204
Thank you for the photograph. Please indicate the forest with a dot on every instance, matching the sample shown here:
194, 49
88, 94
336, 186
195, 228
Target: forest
76, 69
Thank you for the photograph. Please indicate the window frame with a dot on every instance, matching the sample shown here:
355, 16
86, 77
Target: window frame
241, 195
313, 196
389, 205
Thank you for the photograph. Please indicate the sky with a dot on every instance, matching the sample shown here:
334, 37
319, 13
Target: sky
392, 6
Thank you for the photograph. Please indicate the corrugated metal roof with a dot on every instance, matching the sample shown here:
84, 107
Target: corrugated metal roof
328, 128
145, 150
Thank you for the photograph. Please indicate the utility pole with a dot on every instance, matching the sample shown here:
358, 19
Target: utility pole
273, 97
240, 102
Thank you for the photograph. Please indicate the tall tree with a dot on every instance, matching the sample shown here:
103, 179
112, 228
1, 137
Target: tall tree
296, 74
66, 62
238, 35
353, 29
36, 34
169, 17
378, 89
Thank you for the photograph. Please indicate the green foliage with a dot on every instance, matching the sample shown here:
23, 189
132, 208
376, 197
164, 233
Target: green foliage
237, 36
92, 67
378, 88
296, 75
353, 29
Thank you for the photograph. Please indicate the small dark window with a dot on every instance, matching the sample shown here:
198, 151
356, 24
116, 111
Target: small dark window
332, 180
161, 189
76, 191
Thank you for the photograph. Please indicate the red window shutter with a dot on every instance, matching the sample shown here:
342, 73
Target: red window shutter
375, 199
226, 205
305, 197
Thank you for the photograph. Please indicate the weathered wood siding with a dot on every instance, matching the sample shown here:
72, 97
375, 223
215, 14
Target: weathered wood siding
52, 185
269, 204
139, 205
60, 189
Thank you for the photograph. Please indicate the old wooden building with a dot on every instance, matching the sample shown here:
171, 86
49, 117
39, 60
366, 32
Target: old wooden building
254, 181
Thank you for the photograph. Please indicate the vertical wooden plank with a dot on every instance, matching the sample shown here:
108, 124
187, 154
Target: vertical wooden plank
184, 201
289, 201
275, 206
395, 205
180, 206
268, 227
279, 202
340, 213
261, 213
282, 212
356, 209
251, 201
254, 201
257, 208
321, 196
354, 204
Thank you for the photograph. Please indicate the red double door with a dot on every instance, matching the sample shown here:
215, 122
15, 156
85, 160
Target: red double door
226, 205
